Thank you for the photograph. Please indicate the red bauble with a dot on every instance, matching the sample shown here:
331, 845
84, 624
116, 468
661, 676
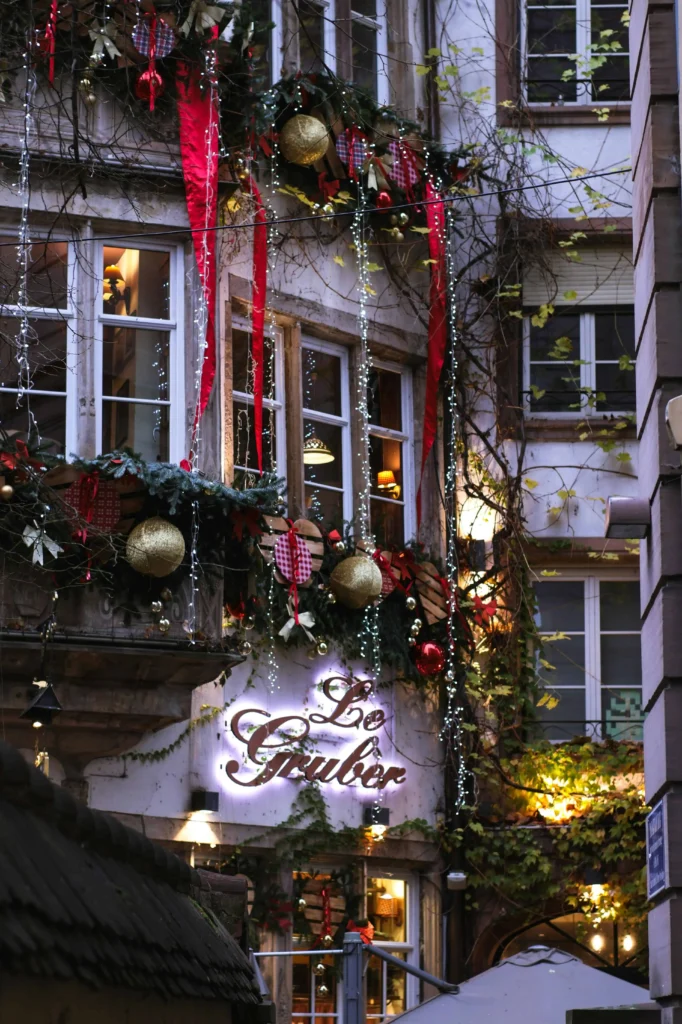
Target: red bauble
149, 86
430, 658
384, 200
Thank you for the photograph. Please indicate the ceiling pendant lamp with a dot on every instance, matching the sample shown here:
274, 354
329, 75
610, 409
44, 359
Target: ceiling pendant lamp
316, 452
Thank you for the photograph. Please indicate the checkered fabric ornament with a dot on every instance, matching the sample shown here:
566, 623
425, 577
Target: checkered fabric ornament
292, 558
106, 508
405, 168
165, 38
352, 150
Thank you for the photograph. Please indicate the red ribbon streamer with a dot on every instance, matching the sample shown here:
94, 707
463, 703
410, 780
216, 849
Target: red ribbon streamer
258, 294
51, 39
295, 556
435, 220
199, 121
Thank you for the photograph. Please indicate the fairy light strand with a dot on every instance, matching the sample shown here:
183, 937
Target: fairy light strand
23, 245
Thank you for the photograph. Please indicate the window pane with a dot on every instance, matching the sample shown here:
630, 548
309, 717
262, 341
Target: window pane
619, 605
396, 984
311, 37
242, 369
364, 50
567, 718
301, 979
561, 607
49, 412
622, 714
567, 658
558, 339
374, 990
47, 275
144, 428
135, 362
614, 333
331, 472
321, 382
244, 444
611, 81
617, 385
387, 908
621, 660
551, 30
324, 506
556, 387
136, 282
46, 353
384, 399
386, 466
388, 522
609, 19
367, 8
544, 83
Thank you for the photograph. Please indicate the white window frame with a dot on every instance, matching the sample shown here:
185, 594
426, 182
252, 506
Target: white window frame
593, 634
276, 405
587, 369
406, 439
378, 25
410, 948
583, 33
328, 9
173, 326
68, 316
342, 421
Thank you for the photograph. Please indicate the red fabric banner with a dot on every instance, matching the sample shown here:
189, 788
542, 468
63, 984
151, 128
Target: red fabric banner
198, 118
258, 294
438, 331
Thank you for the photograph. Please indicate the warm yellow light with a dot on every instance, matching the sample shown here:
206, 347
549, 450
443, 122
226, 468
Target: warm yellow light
113, 273
386, 895
597, 942
595, 891
316, 452
628, 943
377, 832
385, 479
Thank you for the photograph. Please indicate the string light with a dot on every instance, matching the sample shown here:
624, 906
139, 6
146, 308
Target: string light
24, 242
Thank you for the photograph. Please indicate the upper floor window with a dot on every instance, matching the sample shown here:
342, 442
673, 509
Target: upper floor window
139, 353
390, 454
591, 666
49, 343
575, 52
243, 433
326, 433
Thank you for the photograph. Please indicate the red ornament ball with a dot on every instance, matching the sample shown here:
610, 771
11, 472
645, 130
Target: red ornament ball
430, 659
384, 200
149, 86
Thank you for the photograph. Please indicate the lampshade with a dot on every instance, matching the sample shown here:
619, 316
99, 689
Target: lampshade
385, 479
113, 273
316, 452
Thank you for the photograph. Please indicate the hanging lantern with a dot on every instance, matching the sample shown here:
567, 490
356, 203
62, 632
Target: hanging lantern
303, 140
430, 659
356, 581
155, 547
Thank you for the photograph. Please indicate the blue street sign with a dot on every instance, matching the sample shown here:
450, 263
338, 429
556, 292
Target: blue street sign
657, 866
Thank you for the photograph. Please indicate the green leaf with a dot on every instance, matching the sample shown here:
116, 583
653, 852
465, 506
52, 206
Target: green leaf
570, 296
420, 231
530, 484
340, 260
434, 52
422, 69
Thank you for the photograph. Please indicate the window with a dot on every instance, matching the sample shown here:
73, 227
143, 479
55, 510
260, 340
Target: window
368, 47
49, 402
581, 361
390, 990
390, 454
591, 666
139, 354
316, 36
326, 433
243, 437
575, 52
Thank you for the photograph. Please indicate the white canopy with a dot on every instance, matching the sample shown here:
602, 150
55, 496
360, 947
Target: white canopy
537, 986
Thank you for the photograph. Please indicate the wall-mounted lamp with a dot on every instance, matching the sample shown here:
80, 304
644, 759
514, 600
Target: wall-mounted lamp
476, 555
456, 880
376, 819
316, 452
595, 882
386, 482
43, 707
627, 518
205, 800
673, 422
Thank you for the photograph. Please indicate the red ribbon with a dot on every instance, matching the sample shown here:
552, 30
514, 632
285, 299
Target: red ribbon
326, 913
199, 121
385, 566
435, 220
258, 294
51, 39
366, 930
295, 558
327, 188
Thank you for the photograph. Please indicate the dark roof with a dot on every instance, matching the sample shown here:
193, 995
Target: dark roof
82, 896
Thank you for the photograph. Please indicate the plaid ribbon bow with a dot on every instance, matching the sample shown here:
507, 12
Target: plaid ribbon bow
351, 147
165, 38
405, 169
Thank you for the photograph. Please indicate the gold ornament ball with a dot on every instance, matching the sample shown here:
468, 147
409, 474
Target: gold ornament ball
403, 219
398, 236
356, 581
166, 594
322, 647
331, 598
155, 547
6, 492
89, 99
323, 990
328, 209
302, 904
164, 625
249, 622
410, 603
340, 547
245, 647
394, 218
156, 607
412, 640
416, 625
303, 140
85, 84
319, 968
328, 939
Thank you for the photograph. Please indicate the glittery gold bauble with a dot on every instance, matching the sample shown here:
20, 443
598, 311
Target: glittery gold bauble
356, 581
155, 547
6, 492
303, 140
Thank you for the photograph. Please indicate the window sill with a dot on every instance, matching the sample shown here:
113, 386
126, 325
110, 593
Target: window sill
539, 428
541, 115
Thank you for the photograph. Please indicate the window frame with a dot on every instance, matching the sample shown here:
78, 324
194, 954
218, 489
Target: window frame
592, 633
378, 25
343, 421
411, 947
69, 316
276, 405
174, 326
328, 8
406, 438
587, 368
583, 39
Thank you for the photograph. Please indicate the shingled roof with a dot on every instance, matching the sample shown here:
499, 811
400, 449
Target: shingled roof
83, 897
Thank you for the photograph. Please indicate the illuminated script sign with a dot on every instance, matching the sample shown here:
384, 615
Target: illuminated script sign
286, 746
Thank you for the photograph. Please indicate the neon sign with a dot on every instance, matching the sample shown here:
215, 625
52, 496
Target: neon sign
361, 764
